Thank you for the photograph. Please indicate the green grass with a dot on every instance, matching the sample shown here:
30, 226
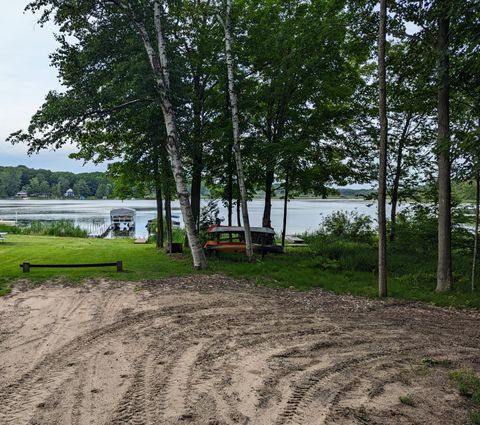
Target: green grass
408, 400
301, 269
64, 228
141, 262
468, 384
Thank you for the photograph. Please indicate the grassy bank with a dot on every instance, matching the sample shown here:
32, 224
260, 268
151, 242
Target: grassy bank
301, 269
62, 228
141, 262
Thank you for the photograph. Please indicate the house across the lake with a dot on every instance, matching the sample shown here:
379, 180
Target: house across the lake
69, 193
22, 195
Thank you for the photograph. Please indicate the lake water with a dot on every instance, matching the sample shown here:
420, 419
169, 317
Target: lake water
303, 214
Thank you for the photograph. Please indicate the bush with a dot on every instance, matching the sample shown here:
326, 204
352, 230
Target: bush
62, 228
408, 400
468, 384
419, 224
347, 239
210, 215
348, 225
475, 417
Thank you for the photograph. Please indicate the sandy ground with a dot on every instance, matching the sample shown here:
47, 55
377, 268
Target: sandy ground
208, 350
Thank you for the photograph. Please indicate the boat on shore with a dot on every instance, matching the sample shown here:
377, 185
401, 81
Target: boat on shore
8, 223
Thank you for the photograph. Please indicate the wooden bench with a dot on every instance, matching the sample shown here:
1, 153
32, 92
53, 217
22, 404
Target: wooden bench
26, 266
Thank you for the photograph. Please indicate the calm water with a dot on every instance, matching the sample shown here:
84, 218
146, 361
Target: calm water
303, 215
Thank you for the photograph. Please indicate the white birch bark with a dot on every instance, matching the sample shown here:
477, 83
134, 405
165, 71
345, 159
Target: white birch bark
236, 129
159, 64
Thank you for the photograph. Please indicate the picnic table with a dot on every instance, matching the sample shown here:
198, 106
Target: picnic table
2, 236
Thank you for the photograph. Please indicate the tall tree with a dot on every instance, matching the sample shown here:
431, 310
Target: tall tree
236, 129
116, 19
444, 267
382, 174
160, 68
477, 225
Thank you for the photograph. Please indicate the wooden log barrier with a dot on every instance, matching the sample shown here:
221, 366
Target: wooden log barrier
26, 266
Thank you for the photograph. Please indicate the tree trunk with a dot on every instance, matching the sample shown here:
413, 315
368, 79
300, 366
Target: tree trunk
274, 133
168, 219
477, 220
159, 65
236, 131
239, 215
230, 164
398, 174
230, 195
285, 209
197, 154
382, 174
159, 200
196, 195
444, 268
267, 211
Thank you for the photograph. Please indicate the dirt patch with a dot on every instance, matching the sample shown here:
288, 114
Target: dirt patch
209, 350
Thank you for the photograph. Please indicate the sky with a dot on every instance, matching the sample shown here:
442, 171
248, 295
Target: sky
25, 78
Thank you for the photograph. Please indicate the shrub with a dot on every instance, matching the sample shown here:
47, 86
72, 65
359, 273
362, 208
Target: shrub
62, 228
408, 400
468, 384
475, 417
348, 225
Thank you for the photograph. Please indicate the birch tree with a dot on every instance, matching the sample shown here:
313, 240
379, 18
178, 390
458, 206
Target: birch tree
227, 26
159, 64
115, 18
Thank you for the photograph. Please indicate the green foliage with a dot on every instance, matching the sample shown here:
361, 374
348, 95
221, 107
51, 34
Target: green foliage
178, 234
475, 417
141, 262
209, 215
354, 251
348, 225
408, 400
429, 362
299, 268
468, 384
50, 184
61, 228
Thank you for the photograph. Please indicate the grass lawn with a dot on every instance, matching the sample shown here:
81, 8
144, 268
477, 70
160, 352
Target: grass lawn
141, 262
299, 269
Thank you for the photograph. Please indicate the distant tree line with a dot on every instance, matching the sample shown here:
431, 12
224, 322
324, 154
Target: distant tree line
53, 184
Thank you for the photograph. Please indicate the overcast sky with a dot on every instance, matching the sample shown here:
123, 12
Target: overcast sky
25, 79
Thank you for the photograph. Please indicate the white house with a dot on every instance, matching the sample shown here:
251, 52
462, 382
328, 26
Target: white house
69, 193
22, 195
